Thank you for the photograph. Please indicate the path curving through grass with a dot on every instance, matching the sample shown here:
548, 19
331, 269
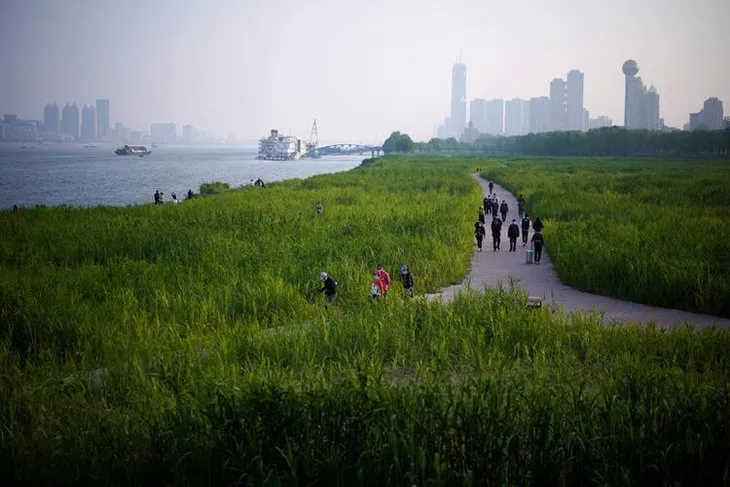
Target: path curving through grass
489, 268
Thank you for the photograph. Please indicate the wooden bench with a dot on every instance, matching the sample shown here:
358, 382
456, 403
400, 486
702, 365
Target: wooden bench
534, 302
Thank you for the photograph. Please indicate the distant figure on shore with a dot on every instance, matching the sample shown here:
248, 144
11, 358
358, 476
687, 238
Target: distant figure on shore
538, 241
174, 198
190, 194
377, 288
318, 207
162, 198
513, 231
479, 233
496, 232
329, 287
259, 183
537, 225
16, 209
525, 229
157, 197
407, 278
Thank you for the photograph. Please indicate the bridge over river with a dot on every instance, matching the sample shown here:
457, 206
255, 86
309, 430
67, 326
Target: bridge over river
343, 150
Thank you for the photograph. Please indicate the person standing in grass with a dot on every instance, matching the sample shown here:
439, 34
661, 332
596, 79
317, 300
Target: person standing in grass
407, 278
503, 209
318, 207
384, 277
496, 232
377, 288
525, 229
329, 287
513, 232
479, 233
537, 225
538, 241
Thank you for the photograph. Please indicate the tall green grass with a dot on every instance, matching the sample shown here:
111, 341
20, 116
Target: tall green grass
137, 348
651, 231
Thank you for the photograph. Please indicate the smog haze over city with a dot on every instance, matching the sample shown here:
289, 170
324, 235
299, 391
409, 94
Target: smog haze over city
362, 69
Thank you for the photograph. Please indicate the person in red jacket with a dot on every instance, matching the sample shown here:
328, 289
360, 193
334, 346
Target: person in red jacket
377, 288
384, 278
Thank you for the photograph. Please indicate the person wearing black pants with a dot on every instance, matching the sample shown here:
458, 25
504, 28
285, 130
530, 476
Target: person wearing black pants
479, 233
496, 232
538, 241
525, 229
513, 232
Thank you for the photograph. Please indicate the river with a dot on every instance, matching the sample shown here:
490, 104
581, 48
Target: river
77, 176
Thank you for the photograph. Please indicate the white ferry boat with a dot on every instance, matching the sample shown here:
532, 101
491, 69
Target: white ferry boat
277, 147
133, 150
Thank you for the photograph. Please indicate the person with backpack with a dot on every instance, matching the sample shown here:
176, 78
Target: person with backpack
513, 231
479, 233
525, 229
538, 241
384, 277
407, 278
496, 232
537, 225
503, 209
329, 287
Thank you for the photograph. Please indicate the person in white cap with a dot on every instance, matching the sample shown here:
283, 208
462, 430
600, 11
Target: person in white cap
407, 278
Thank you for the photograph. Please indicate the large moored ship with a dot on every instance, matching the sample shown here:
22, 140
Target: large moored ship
133, 150
277, 147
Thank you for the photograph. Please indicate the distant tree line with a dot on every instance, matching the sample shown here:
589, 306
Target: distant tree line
609, 141
398, 142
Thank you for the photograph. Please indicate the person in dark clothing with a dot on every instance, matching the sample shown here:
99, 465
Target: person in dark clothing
479, 233
491, 187
407, 278
538, 241
190, 194
503, 209
495, 206
481, 216
496, 232
520, 209
329, 287
486, 205
537, 225
513, 232
525, 229
157, 197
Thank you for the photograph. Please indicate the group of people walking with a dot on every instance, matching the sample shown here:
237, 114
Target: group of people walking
379, 287
499, 211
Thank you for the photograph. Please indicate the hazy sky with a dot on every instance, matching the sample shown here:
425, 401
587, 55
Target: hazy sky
362, 68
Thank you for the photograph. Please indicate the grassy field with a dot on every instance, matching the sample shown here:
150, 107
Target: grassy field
137, 347
651, 231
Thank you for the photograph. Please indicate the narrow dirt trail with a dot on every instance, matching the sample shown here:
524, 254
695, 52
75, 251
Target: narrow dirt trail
489, 268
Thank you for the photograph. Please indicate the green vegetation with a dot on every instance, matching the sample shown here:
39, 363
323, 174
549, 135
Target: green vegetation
654, 232
398, 142
208, 189
137, 347
609, 141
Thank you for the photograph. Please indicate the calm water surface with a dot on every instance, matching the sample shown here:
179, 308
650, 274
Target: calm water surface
75, 176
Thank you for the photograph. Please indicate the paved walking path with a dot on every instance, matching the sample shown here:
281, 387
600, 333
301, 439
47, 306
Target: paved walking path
489, 268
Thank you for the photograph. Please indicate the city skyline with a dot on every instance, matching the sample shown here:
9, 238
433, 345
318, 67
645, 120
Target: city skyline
219, 65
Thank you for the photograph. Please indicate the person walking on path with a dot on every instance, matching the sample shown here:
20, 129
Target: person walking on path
481, 215
407, 278
538, 241
521, 206
496, 232
329, 287
384, 277
495, 205
377, 289
503, 209
486, 205
513, 232
491, 187
525, 229
537, 225
479, 233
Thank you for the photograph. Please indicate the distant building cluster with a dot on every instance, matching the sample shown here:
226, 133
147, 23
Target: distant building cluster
562, 109
92, 124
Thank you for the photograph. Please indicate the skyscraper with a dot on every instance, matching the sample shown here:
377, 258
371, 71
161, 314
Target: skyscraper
478, 114
51, 119
495, 117
650, 110
70, 121
458, 99
88, 123
516, 117
710, 117
103, 125
641, 106
574, 101
540, 114
557, 105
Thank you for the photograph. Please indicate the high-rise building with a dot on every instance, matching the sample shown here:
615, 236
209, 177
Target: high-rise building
600, 122
88, 123
516, 117
540, 114
574, 101
710, 117
458, 99
641, 106
478, 114
495, 117
558, 113
103, 124
650, 110
70, 121
586, 118
51, 119
165, 133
